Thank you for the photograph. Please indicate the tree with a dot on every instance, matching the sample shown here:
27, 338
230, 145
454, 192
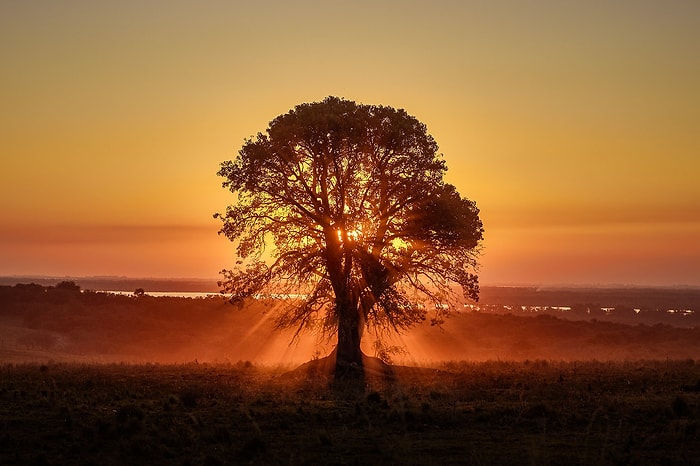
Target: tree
68, 286
364, 230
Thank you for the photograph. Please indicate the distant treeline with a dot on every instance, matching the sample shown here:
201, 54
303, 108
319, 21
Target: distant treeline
672, 306
66, 319
651, 299
643, 298
122, 283
64, 322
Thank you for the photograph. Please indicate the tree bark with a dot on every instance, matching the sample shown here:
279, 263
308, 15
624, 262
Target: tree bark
348, 353
339, 260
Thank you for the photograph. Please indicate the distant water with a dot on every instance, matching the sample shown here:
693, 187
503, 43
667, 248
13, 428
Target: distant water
172, 294
197, 294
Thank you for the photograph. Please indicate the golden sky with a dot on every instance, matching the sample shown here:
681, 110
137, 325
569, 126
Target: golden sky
575, 126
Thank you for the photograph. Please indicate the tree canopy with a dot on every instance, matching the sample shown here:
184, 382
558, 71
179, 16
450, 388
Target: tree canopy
343, 206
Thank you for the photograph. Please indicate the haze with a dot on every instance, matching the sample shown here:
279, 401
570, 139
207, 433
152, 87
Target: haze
575, 126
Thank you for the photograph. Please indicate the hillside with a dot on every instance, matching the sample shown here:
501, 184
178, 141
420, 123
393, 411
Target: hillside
39, 323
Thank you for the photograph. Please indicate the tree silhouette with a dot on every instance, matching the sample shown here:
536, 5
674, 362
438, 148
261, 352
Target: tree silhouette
343, 207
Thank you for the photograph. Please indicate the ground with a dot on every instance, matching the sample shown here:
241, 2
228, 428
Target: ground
497, 412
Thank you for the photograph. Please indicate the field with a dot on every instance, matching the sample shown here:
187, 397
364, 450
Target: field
533, 412
38, 324
92, 378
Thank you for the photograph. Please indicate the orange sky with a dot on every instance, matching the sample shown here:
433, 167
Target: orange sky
575, 126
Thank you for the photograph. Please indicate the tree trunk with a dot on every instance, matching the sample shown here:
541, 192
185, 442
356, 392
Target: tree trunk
339, 260
348, 354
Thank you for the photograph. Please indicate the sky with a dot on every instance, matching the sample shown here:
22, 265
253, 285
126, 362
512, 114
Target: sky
575, 126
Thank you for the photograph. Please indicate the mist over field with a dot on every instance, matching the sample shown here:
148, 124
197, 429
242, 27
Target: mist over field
40, 323
566, 380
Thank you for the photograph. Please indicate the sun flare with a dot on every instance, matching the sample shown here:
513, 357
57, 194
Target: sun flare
352, 235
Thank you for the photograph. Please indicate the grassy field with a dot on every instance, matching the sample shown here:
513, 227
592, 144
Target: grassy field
528, 412
538, 390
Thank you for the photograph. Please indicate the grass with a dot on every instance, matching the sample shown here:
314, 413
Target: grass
531, 412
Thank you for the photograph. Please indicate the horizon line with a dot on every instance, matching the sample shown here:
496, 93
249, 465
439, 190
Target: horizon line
213, 280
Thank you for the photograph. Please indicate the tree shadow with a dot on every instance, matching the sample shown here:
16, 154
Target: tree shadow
344, 378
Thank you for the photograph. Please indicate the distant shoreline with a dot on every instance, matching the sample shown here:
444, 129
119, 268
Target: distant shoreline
209, 285
165, 294
666, 299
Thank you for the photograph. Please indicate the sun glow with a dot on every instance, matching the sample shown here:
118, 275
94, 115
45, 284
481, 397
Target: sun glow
352, 235
540, 144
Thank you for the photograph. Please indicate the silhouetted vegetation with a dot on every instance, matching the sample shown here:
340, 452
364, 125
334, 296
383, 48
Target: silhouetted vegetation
678, 307
40, 323
122, 283
523, 404
532, 412
51, 322
350, 202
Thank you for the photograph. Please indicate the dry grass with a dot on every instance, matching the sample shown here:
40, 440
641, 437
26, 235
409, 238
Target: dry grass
538, 412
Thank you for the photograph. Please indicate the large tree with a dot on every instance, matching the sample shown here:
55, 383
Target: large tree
344, 207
